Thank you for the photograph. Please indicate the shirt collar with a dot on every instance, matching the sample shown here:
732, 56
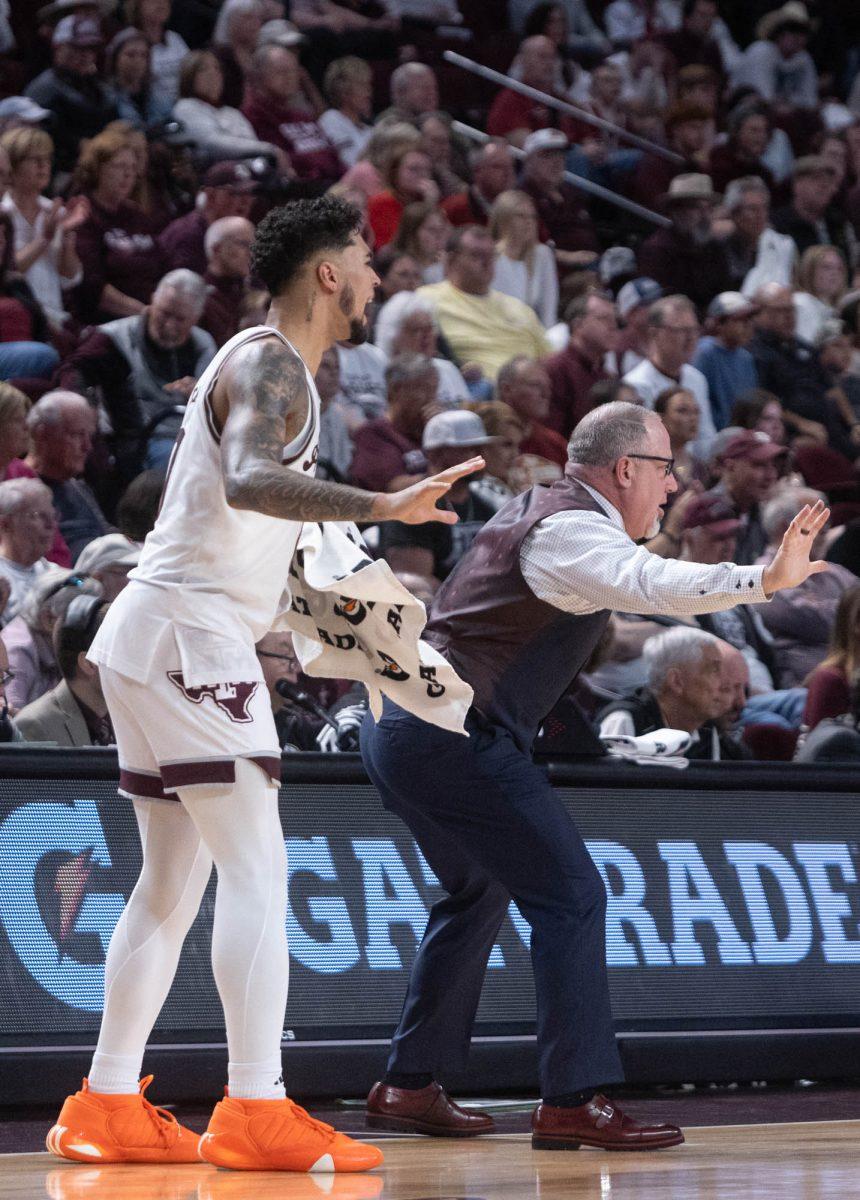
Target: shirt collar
609, 508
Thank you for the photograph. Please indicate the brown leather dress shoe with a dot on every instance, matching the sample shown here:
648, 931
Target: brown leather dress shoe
598, 1123
423, 1110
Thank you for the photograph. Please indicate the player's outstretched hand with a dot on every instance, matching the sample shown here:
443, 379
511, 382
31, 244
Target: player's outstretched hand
791, 565
417, 504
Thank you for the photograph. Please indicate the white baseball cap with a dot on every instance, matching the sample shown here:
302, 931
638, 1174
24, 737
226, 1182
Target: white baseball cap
544, 139
459, 427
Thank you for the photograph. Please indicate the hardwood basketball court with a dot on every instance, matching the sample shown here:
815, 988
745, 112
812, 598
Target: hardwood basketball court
788, 1161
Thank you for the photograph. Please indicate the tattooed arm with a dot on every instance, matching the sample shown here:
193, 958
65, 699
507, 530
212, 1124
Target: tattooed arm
268, 403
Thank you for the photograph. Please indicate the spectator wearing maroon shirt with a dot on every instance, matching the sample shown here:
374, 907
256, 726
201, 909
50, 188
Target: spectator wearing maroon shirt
388, 453
574, 370
749, 129
564, 220
61, 428
228, 258
228, 191
689, 132
515, 116
523, 384
492, 173
687, 259
272, 104
120, 257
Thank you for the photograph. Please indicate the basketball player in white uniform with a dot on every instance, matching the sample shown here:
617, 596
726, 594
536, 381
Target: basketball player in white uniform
198, 752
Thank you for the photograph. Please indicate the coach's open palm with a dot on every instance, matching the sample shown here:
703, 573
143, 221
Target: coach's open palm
791, 565
417, 504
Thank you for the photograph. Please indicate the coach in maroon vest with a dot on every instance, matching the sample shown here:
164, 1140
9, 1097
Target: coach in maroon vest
518, 617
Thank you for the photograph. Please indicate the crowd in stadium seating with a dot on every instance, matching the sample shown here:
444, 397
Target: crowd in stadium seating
140, 143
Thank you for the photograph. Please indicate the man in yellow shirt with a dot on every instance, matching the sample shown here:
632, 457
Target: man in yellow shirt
481, 325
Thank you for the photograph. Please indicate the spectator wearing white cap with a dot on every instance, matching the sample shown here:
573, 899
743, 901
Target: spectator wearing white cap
108, 560
563, 218
722, 356
633, 303
27, 524
449, 439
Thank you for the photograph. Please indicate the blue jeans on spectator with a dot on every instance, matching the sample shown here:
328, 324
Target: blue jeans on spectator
158, 451
27, 360
784, 708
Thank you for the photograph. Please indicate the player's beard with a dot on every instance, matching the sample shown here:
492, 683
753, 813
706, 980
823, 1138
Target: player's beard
358, 328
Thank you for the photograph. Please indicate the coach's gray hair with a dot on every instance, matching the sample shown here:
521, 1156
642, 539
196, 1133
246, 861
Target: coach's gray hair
52, 407
678, 647
778, 513
53, 591
608, 433
15, 492
185, 283
409, 368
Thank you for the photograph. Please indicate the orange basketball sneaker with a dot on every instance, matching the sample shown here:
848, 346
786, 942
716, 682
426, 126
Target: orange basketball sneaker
278, 1135
97, 1127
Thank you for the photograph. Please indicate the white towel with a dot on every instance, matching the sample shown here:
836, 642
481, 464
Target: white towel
662, 748
352, 619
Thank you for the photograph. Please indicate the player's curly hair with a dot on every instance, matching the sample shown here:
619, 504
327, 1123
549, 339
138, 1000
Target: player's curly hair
290, 236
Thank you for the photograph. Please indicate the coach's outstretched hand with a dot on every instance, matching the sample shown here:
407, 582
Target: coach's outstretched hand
417, 504
791, 564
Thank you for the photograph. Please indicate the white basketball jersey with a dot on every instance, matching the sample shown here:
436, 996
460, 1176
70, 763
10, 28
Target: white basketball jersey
223, 564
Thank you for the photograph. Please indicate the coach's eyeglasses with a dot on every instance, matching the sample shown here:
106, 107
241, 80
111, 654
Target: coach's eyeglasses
669, 462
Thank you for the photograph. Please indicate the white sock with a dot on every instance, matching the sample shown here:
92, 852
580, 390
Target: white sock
146, 944
115, 1074
242, 831
256, 1081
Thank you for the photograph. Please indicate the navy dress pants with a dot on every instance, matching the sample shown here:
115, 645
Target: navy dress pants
491, 828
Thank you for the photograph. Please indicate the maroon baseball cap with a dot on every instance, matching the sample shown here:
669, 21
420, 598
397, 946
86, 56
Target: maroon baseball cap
236, 176
713, 512
753, 445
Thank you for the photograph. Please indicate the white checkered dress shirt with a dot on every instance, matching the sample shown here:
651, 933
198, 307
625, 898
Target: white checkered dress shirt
581, 563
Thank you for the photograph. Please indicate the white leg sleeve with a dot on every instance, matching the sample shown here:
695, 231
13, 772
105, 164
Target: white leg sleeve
146, 944
242, 831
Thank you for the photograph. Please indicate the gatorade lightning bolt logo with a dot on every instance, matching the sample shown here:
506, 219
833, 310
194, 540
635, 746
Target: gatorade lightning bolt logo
70, 885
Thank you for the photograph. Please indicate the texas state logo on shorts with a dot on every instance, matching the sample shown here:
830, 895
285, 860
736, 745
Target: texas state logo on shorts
232, 698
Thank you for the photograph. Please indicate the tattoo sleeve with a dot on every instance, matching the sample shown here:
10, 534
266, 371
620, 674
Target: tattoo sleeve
268, 398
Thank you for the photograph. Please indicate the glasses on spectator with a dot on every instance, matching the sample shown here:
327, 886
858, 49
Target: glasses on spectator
669, 463
287, 658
